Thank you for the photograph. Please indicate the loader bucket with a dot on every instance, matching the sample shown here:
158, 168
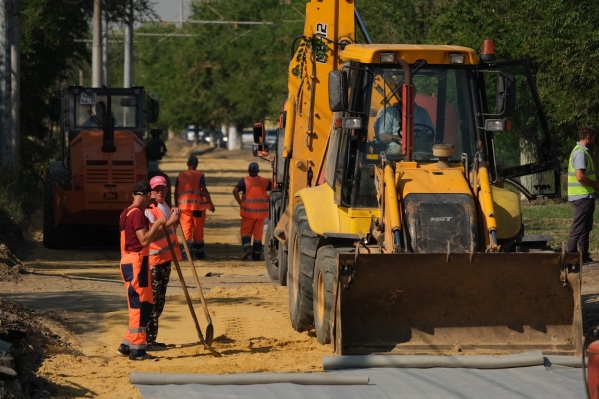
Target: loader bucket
481, 303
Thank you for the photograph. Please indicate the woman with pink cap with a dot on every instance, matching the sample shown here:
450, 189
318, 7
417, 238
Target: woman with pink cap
160, 254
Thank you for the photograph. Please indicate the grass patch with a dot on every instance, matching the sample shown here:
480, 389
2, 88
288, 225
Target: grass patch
556, 219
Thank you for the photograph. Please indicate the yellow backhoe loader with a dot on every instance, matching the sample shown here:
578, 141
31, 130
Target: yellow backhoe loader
400, 227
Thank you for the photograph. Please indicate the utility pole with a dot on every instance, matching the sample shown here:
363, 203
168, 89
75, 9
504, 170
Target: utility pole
105, 50
5, 83
15, 73
97, 45
128, 67
181, 14
9, 86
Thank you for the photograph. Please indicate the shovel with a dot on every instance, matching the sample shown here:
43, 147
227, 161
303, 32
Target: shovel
187, 298
209, 327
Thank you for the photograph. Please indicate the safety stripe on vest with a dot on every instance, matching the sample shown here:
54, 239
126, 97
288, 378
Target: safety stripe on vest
255, 200
159, 251
190, 192
254, 210
193, 202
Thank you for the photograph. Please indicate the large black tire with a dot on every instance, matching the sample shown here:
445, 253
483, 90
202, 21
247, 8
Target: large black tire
302, 251
270, 255
326, 273
59, 237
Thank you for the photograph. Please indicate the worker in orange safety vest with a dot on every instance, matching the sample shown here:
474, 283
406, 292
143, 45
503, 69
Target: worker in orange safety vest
136, 236
253, 210
160, 254
193, 199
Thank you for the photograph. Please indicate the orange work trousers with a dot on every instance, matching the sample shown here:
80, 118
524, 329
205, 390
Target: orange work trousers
252, 227
135, 271
193, 226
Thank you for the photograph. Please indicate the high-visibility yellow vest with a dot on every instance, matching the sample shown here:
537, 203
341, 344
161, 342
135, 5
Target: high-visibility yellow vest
575, 188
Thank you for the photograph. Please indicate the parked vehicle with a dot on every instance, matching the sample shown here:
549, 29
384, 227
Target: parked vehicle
189, 134
219, 137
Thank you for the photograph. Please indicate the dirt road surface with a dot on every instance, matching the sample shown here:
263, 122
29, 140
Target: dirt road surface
248, 311
79, 297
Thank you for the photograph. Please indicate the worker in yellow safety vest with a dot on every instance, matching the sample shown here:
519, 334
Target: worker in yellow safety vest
136, 236
160, 254
194, 200
253, 210
582, 184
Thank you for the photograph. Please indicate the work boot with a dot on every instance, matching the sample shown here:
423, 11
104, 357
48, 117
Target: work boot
183, 253
145, 356
123, 350
197, 250
257, 250
587, 259
155, 345
246, 255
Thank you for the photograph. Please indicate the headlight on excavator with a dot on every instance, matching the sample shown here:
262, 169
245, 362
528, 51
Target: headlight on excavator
387, 58
456, 58
497, 125
348, 123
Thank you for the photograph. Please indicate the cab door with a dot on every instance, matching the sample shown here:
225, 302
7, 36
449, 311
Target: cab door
523, 155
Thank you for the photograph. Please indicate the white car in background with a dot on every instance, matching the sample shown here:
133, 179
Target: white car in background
189, 135
219, 138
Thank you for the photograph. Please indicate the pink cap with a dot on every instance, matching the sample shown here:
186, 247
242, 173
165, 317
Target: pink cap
157, 181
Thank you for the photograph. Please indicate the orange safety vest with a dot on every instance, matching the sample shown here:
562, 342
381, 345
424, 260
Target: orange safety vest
159, 250
189, 195
254, 203
136, 259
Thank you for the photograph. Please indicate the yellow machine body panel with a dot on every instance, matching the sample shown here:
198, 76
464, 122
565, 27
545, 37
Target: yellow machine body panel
309, 124
507, 212
414, 178
433, 54
326, 217
323, 214
356, 220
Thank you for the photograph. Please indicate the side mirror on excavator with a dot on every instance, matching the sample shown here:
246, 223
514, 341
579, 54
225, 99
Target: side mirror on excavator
55, 109
260, 147
506, 95
338, 98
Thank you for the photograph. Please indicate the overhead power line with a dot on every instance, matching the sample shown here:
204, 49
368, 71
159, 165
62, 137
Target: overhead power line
210, 22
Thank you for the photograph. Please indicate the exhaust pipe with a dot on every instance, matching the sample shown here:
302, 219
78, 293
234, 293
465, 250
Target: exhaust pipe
108, 125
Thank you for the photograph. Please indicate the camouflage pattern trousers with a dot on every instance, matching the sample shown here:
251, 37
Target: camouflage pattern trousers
160, 275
